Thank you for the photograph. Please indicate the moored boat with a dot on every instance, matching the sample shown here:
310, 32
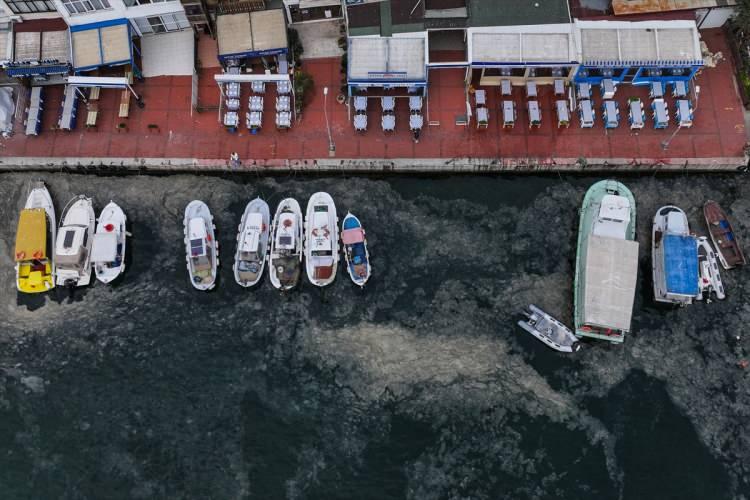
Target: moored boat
285, 258
108, 249
355, 249
674, 258
73, 245
723, 236
549, 330
321, 240
606, 263
710, 277
37, 229
252, 243
200, 245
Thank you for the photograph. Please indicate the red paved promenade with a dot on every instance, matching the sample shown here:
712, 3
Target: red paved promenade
718, 130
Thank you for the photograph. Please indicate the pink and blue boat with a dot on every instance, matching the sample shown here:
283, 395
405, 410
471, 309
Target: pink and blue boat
355, 250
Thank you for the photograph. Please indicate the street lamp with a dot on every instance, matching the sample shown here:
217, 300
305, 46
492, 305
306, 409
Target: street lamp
665, 144
331, 145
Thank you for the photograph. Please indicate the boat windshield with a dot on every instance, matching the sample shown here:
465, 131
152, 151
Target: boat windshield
196, 247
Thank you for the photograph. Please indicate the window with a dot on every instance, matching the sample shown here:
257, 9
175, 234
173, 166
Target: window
131, 3
82, 6
162, 24
29, 6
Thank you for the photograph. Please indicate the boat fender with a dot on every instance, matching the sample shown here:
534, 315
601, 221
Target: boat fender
20, 255
197, 279
280, 269
38, 254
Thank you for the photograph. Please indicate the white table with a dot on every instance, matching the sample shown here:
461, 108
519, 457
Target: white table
679, 89
231, 119
256, 103
661, 114
283, 103
388, 103
584, 91
509, 113
635, 114
563, 114
258, 87
283, 119
684, 113
505, 87
611, 114
388, 122
254, 119
360, 103
360, 122
483, 117
586, 113
233, 90
415, 103
608, 88
283, 87
657, 90
481, 97
531, 88
535, 115
559, 87
233, 104
416, 121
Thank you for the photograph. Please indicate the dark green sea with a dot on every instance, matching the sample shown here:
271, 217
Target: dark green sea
420, 386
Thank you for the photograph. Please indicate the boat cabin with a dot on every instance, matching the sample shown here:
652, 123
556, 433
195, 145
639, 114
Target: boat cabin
199, 251
71, 252
285, 232
321, 243
250, 245
676, 223
613, 218
104, 251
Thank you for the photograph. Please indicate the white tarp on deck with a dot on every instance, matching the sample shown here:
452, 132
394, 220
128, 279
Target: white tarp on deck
611, 273
170, 54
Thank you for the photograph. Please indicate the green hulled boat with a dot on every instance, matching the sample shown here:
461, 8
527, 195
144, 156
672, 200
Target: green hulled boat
606, 263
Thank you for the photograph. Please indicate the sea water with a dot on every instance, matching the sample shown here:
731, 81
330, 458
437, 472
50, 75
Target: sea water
419, 386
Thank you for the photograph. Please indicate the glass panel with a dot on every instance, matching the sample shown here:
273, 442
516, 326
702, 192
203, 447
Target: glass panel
22, 7
40, 6
70, 9
156, 24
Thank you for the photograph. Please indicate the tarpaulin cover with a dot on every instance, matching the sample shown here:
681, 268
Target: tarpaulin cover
681, 264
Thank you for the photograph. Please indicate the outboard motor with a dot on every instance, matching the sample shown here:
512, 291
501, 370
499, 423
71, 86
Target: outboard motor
416, 132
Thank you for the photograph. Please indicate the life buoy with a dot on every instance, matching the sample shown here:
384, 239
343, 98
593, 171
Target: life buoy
109, 228
38, 254
20, 255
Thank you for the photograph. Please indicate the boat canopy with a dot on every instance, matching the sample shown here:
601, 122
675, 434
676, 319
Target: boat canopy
613, 218
611, 272
31, 236
104, 247
352, 236
681, 264
197, 228
251, 239
676, 222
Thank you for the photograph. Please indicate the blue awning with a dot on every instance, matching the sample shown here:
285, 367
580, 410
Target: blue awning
106, 43
22, 71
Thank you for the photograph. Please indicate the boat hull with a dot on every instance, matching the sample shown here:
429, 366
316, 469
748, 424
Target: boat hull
722, 234
201, 279
38, 278
359, 272
112, 215
588, 214
261, 207
285, 266
321, 233
79, 214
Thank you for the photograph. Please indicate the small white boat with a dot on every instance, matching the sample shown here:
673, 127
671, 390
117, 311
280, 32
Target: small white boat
355, 249
710, 278
201, 245
74, 240
321, 240
549, 330
36, 233
108, 250
252, 243
286, 245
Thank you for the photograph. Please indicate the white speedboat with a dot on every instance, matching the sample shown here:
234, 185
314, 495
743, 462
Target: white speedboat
710, 278
37, 229
108, 251
252, 243
549, 330
321, 240
355, 249
74, 240
201, 245
285, 258
674, 258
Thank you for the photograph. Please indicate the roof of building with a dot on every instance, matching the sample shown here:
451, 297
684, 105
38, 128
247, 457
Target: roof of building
628, 7
392, 59
249, 34
522, 44
645, 42
408, 16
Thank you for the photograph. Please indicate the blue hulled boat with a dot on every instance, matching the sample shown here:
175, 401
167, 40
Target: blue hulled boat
355, 249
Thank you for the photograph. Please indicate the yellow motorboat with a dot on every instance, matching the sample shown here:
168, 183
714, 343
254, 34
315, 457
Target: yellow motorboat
36, 231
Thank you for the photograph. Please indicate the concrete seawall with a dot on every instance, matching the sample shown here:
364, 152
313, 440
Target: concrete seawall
376, 165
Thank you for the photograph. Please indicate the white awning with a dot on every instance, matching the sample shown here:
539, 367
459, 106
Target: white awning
385, 60
251, 34
611, 273
507, 45
169, 54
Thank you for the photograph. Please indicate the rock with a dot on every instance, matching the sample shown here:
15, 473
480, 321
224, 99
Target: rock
34, 383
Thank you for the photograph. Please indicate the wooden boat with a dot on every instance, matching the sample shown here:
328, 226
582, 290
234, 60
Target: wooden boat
723, 236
